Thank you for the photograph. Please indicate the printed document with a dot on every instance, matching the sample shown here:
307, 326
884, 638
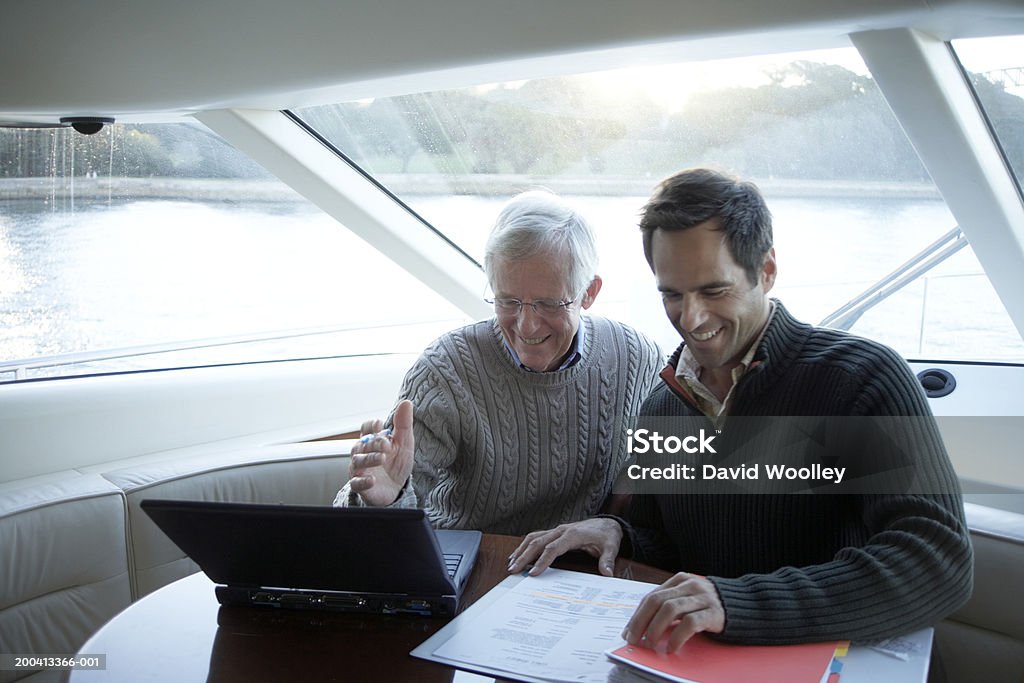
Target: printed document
556, 628
552, 627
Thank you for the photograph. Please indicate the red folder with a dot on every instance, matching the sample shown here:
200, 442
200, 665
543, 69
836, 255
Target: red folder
704, 660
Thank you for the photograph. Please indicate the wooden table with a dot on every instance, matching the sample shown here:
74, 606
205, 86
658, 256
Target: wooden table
180, 633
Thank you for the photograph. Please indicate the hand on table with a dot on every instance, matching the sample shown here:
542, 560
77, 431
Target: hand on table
600, 537
684, 605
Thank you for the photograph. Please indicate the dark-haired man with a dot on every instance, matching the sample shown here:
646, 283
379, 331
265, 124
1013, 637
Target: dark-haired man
773, 567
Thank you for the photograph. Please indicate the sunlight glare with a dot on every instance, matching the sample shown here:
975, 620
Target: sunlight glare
672, 85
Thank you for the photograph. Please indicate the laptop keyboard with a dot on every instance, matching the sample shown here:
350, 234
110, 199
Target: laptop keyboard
452, 562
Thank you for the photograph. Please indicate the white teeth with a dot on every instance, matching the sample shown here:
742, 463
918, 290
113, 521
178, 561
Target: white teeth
532, 342
706, 335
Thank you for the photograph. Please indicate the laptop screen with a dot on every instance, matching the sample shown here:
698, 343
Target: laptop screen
371, 550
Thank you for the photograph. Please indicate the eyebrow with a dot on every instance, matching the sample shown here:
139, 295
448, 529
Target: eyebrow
718, 284
517, 298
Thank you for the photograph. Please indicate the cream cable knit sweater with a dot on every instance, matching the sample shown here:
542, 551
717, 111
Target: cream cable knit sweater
509, 451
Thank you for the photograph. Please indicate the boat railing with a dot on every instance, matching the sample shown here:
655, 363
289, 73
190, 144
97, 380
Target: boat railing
844, 317
21, 369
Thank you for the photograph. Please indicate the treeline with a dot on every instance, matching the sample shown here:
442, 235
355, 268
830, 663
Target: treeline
185, 150
809, 121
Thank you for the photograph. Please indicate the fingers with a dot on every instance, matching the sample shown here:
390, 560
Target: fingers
690, 625
550, 552
681, 617
361, 483
640, 625
369, 452
369, 441
599, 537
682, 606
606, 563
371, 427
521, 548
532, 547
380, 444
369, 445
380, 462
363, 461
402, 423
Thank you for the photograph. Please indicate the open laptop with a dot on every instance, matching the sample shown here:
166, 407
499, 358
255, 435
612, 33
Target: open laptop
382, 560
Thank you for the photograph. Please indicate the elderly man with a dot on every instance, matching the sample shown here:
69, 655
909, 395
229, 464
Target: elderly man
773, 567
520, 419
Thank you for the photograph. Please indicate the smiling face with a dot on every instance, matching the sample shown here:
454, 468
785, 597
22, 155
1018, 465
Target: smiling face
707, 295
540, 341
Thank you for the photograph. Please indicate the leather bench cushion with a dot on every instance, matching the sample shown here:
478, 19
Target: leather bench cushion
64, 567
985, 639
998, 600
303, 474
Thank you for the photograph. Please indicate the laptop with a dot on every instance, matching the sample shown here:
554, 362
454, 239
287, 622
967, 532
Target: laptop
371, 560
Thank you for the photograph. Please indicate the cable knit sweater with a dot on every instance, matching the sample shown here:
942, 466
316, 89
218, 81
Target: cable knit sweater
509, 451
792, 568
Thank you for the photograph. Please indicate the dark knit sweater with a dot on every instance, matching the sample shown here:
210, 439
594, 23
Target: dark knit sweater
794, 568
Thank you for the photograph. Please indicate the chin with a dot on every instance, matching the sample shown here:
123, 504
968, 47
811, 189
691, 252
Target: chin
538, 364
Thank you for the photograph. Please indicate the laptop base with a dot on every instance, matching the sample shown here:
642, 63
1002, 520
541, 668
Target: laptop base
338, 601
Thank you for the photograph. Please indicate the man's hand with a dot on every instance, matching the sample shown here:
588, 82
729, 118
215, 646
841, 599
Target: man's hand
599, 537
686, 604
381, 463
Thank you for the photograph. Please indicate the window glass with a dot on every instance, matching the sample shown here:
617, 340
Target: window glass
996, 70
851, 201
152, 246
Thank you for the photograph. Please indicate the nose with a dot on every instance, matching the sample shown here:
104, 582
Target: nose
692, 313
529, 320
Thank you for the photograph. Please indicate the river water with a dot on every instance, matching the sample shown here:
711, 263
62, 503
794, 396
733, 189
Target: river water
109, 274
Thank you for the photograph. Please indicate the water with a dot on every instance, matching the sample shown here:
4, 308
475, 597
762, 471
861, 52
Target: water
157, 271
828, 250
109, 275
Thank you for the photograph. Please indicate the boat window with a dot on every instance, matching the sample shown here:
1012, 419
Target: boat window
995, 66
159, 245
851, 201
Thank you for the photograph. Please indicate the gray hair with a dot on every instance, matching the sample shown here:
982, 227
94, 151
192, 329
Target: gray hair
538, 222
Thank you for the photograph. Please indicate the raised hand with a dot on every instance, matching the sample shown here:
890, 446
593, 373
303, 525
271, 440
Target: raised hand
381, 461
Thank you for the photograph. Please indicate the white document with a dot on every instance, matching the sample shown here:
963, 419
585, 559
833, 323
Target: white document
904, 658
555, 628
552, 627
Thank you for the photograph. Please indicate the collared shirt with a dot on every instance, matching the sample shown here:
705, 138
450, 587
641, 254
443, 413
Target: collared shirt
688, 373
574, 356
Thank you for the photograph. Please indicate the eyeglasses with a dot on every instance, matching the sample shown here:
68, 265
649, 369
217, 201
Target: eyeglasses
547, 308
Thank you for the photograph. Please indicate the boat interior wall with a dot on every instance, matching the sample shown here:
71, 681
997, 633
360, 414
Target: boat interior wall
982, 430
126, 59
50, 429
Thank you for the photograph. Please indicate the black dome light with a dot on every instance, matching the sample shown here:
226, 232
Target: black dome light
86, 125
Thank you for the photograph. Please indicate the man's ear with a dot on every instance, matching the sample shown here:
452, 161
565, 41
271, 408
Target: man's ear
592, 290
768, 270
